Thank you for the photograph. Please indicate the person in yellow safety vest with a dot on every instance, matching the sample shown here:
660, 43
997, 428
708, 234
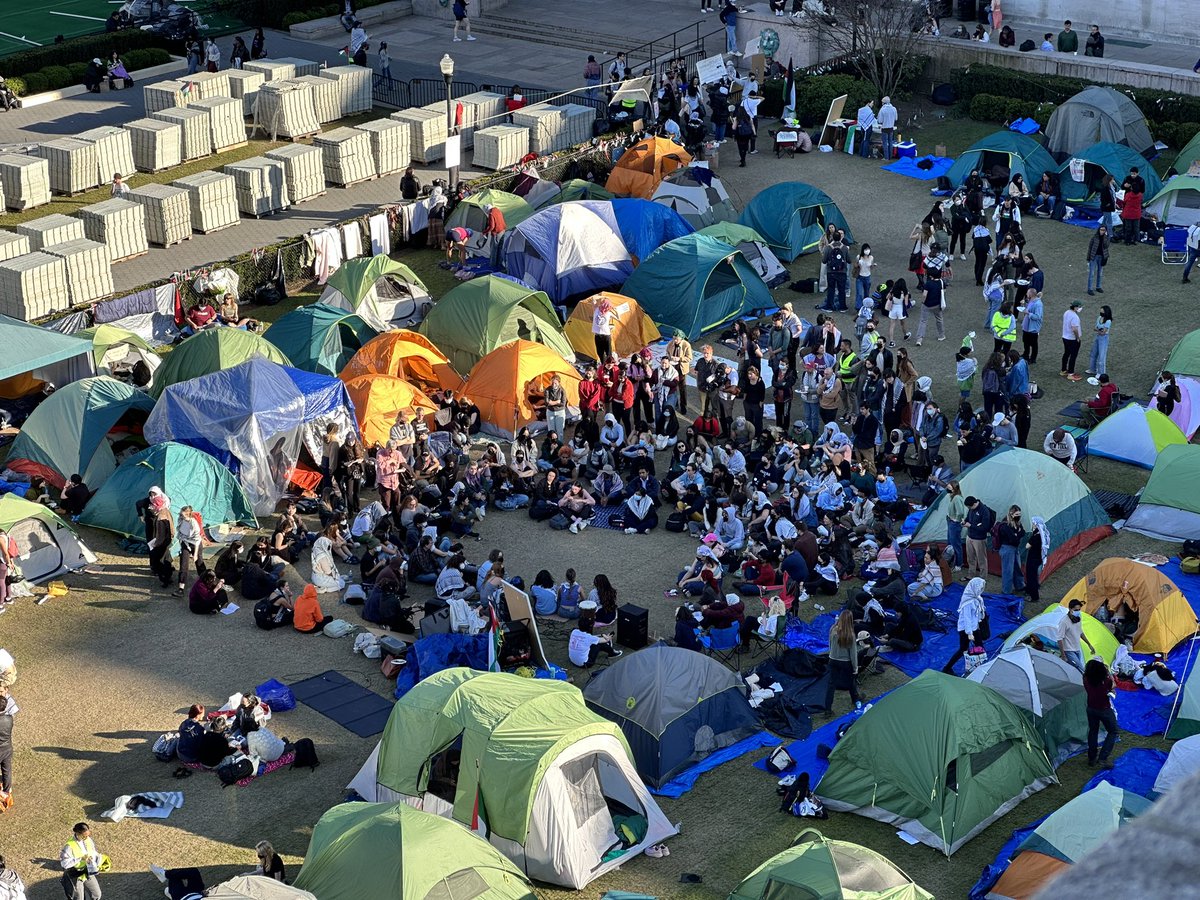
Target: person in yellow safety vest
81, 862
848, 365
1004, 328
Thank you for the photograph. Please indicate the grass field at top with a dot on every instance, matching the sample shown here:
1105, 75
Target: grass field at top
25, 24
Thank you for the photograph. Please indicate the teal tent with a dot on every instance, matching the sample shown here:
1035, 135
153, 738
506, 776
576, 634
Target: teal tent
67, 433
696, 283
1105, 158
319, 338
1012, 151
29, 348
791, 216
188, 476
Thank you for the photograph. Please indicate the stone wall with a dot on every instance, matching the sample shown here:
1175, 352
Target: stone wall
435, 9
799, 39
1163, 20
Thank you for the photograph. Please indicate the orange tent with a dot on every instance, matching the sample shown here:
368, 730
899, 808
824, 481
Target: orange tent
1164, 616
633, 329
507, 383
407, 355
378, 398
641, 167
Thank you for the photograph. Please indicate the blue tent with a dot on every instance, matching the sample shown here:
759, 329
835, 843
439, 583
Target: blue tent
646, 226
568, 249
695, 284
791, 216
1015, 153
256, 418
1105, 158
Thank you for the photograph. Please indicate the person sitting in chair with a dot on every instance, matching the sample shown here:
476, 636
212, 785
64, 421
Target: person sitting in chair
1100, 406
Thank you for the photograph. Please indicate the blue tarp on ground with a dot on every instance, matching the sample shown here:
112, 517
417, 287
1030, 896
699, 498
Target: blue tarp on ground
432, 654
1004, 614
993, 870
686, 780
908, 167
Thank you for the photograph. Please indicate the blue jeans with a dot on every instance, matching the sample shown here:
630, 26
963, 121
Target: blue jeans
1096, 271
812, 417
837, 286
862, 290
719, 128
731, 44
1075, 658
954, 537
1098, 361
425, 578
514, 501
1010, 570
887, 134
1192, 253
557, 422
864, 142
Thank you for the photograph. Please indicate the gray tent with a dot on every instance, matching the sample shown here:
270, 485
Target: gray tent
675, 707
1093, 115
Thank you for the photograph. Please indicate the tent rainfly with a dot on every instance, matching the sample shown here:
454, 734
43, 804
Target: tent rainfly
1044, 628
697, 194
792, 216
633, 329
751, 245
1184, 364
1105, 158
1169, 507
572, 189
404, 354
34, 355
377, 399
385, 294
319, 338
1001, 155
46, 545
1094, 115
210, 351
646, 226
1134, 435
640, 169
568, 249
506, 383
1182, 763
257, 887
118, 349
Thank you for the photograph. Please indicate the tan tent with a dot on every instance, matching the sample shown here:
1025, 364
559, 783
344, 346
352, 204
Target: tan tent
257, 887
633, 330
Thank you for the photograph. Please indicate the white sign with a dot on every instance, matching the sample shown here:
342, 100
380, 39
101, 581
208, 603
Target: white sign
453, 151
711, 70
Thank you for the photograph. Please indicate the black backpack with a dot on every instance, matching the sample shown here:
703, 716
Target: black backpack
306, 755
235, 770
1028, 46
264, 614
837, 261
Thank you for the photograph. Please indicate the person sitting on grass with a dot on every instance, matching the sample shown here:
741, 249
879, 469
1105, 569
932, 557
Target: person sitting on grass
199, 317
640, 516
208, 595
585, 648
307, 617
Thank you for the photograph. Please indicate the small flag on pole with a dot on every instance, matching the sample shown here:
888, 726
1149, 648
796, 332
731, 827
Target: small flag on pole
789, 93
494, 642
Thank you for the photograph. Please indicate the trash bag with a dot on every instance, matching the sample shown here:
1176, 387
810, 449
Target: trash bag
276, 695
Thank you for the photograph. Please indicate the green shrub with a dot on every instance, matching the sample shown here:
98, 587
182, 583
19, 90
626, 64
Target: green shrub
18, 85
57, 77
1175, 134
77, 70
35, 83
815, 92
144, 59
81, 49
991, 108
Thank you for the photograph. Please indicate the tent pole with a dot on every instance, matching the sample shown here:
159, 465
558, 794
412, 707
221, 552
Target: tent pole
1179, 693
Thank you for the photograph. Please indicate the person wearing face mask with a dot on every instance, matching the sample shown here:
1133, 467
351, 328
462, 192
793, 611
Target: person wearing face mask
1071, 636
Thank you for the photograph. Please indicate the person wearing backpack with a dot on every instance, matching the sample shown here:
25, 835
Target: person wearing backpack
980, 519
837, 262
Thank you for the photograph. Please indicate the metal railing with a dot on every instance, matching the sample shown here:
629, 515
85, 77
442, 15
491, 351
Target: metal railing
416, 91
659, 53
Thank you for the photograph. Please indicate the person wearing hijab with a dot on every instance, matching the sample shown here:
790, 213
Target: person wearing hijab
973, 628
1038, 544
162, 536
436, 204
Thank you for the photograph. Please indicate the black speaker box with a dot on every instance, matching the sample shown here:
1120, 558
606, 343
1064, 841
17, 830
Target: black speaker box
633, 626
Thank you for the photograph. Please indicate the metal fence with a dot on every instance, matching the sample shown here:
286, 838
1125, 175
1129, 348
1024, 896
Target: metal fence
416, 91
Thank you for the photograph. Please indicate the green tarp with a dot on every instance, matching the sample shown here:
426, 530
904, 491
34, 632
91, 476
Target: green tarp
212, 350
319, 338
28, 347
791, 217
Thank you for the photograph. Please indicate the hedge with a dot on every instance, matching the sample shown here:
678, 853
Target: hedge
307, 15
284, 14
991, 108
1174, 134
78, 50
55, 78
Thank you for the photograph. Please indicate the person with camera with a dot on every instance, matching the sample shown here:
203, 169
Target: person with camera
81, 863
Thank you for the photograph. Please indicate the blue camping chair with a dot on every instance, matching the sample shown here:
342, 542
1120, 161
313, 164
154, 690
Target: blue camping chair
724, 644
1174, 245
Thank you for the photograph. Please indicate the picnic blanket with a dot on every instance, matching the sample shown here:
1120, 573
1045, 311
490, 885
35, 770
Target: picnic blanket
907, 166
686, 780
804, 679
265, 768
154, 805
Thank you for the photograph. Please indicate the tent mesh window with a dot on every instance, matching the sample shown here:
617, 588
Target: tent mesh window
984, 758
859, 872
784, 890
1187, 199
583, 784
465, 884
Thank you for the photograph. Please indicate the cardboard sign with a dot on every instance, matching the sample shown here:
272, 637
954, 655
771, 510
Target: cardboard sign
453, 151
711, 70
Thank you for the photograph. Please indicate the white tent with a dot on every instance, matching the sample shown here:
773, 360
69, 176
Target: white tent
46, 545
1178, 203
384, 293
257, 887
1182, 762
698, 195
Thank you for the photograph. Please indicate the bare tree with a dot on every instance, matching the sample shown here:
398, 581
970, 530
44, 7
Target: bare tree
876, 38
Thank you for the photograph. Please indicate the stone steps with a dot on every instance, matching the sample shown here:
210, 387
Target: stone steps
602, 45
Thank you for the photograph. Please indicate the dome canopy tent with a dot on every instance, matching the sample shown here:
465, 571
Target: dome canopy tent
397, 852
646, 226
479, 315
1182, 762
1045, 628
640, 169
319, 338
696, 284
68, 432
1178, 203
256, 418
1105, 158
471, 211
377, 399
1164, 615
675, 706
1094, 115
33, 355
633, 329
573, 189
1041, 486
697, 194
1169, 506
1188, 155
46, 545
256, 887
1184, 364
568, 249
792, 216
942, 757
1134, 435
210, 351
385, 293
505, 382
817, 868
751, 245
113, 346
404, 354
537, 771
185, 474
1013, 152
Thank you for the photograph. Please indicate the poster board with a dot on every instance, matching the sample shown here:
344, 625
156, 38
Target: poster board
637, 88
836, 108
758, 67
520, 608
711, 70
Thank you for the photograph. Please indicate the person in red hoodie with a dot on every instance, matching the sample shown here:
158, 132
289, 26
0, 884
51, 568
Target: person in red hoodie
1131, 215
621, 392
1101, 405
591, 400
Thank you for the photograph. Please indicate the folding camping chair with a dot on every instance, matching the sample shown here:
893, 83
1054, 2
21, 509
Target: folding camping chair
1174, 246
724, 644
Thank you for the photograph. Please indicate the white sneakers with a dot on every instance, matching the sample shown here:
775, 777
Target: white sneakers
573, 528
631, 531
658, 851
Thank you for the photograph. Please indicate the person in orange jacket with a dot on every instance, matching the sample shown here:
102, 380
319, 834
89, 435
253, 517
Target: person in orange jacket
308, 618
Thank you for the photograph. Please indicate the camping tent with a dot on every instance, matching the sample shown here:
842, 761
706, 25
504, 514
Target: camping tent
1182, 762
1045, 628
1105, 158
696, 284
751, 245
378, 398
573, 189
1169, 506
186, 475
504, 383
392, 851
385, 293
1011, 151
1064, 837
1185, 714
319, 338
1185, 356
1041, 486
479, 315
1094, 115
1188, 155
68, 432
792, 216
1184, 364
1135, 435
633, 329
46, 545
471, 211
1049, 688
646, 226
941, 757
697, 194
675, 707
1164, 616
568, 248
405, 354
817, 868
526, 763
256, 887
255, 418
535, 190
213, 350
34, 355
1178, 203
640, 169
116, 347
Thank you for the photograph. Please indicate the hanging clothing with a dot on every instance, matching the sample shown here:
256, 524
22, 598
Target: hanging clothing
352, 235
327, 253
381, 235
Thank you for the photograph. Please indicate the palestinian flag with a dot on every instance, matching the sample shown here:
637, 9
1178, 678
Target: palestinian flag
493, 641
789, 93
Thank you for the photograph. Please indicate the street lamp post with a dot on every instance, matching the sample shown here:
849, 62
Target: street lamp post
447, 67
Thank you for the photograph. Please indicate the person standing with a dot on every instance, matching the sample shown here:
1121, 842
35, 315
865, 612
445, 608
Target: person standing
591, 75
979, 521
933, 304
973, 627
212, 56
161, 539
1095, 43
460, 16
1070, 636
1131, 215
728, 17
258, 48
385, 64
8, 709
708, 381
1037, 549
1011, 537
187, 532
679, 353
743, 133
1098, 685
1193, 250
1097, 258
1072, 337
1098, 361
81, 863
843, 660
604, 317
556, 406
887, 131
1107, 198
956, 519
1068, 40
997, 15
837, 261
866, 124
981, 246
1031, 326
862, 275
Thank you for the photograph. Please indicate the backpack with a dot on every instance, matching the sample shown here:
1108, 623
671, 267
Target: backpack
996, 536
265, 614
235, 769
559, 522
1028, 46
676, 522
166, 746
306, 755
1190, 548
837, 261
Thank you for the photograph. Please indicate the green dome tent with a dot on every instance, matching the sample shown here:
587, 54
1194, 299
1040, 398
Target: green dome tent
67, 433
1169, 506
1185, 355
792, 216
212, 350
393, 851
696, 283
1178, 203
1105, 158
115, 346
470, 212
46, 545
1012, 151
188, 476
1188, 155
941, 757
319, 338
385, 294
752, 246
817, 868
574, 189
479, 315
